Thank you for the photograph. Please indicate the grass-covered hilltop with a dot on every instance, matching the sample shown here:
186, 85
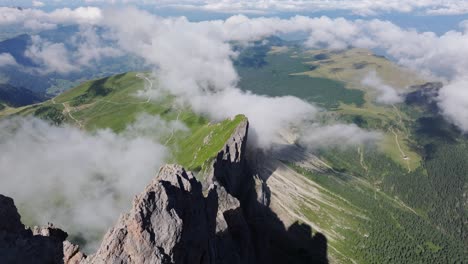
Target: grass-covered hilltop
402, 200
113, 102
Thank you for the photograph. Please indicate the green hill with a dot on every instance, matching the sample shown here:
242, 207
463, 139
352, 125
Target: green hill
402, 201
112, 102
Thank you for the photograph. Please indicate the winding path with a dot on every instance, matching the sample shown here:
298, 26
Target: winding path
403, 154
361, 160
139, 75
67, 110
173, 130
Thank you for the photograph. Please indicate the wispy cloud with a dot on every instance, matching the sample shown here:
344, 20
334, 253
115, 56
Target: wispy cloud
6, 59
386, 94
81, 181
259, 7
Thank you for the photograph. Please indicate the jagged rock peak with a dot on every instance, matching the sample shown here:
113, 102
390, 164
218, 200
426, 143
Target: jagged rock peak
170, 222
19, 244
234, 149
229, 167
174, 220
10, 220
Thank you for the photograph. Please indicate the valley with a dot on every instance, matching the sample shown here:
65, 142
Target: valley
383, 203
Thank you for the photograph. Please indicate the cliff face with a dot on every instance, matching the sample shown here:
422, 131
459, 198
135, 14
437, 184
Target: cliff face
178, 219
40, 245
170, 222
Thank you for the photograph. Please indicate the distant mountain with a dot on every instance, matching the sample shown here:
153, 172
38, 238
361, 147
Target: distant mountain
53, 83
179, 218
15, 97
424, 95
399, 201
16, 47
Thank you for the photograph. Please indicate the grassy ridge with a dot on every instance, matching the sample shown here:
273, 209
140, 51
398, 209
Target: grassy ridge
278, 78
412, 186
112, 102
389, 233
196, 151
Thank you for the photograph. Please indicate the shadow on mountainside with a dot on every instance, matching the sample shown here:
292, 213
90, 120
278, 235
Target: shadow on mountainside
19, 244
276, 243
271, 240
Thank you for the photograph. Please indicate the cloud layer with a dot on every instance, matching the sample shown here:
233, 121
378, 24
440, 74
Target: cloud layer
80, 181
40, 20
359, 7
337, 135
7, 60
194, 59
385, 93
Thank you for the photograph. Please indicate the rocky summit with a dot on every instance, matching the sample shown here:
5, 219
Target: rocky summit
220, 217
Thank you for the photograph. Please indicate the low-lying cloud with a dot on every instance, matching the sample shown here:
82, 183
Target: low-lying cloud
84, 49
336, 135
36, 19
81, 181
51, 57
195, 58
386, 94
453, 101
259, 7
7, 60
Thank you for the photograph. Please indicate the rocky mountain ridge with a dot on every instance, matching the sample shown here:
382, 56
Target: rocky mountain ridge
222, 218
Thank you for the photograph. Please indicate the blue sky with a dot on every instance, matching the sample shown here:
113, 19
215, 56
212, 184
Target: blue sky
423, 15
427, 36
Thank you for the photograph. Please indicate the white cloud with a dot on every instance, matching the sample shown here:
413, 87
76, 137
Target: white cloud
440, 57
194, 62
78, 180
453, 100
83, 49
52, 57
38, 25
91, 47
360, 7
32, 18
267, 115
195, 58
449, 8
36, 3
7, 60
337, 135
385, 93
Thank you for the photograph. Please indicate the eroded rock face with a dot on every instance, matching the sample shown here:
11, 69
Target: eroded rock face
174, 220
178, 219
229, 167
170, 222
19, 244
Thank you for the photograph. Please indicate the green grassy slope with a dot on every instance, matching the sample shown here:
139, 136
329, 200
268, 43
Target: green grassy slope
403, 201
111, 102
197, 151
385, 230
411, 188
277, 78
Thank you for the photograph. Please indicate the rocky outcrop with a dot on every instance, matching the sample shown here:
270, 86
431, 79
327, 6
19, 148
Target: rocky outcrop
424, 95
19, 244
177, 219
170, 222
229, 168
225, 219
